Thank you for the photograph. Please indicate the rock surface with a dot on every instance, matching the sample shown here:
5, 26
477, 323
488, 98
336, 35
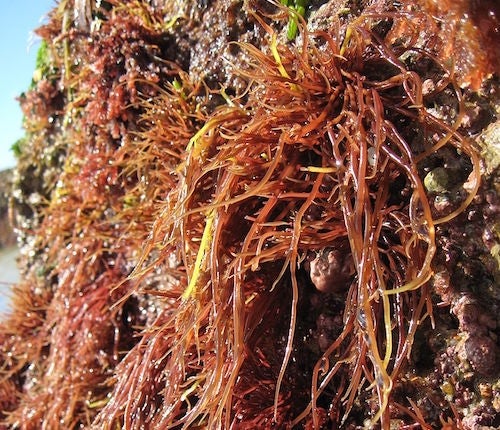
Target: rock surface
7, 235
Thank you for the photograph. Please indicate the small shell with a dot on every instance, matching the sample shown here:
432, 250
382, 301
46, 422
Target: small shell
331, 270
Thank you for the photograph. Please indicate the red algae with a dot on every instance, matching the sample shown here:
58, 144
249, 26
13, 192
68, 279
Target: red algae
276, 248
470, 31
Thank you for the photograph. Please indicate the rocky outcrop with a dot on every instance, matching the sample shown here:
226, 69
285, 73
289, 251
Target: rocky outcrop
7, 235
258, 214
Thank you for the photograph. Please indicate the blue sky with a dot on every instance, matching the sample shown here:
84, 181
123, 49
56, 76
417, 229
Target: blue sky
18, 47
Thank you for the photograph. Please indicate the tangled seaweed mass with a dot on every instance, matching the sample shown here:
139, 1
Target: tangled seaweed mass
255, 237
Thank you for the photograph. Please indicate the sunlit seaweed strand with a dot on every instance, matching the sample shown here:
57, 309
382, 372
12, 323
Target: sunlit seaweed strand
69, 324
329, 126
